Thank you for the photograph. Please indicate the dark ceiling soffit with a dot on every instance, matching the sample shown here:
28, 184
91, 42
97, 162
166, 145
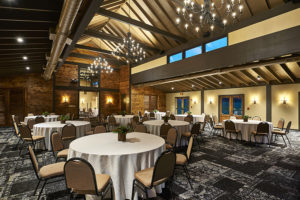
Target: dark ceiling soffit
113, 61
265, 47
105, 36
84, 22
255, 19
139, 24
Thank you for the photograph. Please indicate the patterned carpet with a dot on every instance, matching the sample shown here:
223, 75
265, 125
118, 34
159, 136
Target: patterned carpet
220, 169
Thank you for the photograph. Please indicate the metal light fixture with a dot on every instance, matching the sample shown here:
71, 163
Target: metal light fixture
206, 16
100, 64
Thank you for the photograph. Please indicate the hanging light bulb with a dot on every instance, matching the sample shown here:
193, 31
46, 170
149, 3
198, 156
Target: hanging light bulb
224, 22
241, 8
197, 29
186, 25
212, 27
177, 20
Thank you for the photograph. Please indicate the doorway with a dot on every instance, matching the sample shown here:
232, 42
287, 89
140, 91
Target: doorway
88, 104
182, 105
231, 105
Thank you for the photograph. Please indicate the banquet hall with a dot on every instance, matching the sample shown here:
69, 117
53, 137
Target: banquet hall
150, 99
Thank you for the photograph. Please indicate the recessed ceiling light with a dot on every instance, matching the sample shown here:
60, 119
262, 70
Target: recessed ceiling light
20, 40
193, 85
258, 77
220, 82
25, 57
27, 68
172, 88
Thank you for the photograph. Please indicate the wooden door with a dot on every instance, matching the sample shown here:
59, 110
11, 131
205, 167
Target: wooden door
231, 105
4, 120
182, 104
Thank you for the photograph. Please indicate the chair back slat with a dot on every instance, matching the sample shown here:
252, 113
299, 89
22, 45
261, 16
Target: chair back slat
288, 127
69, 130
172, 136
56, 141
280, 124
25, 132
263, 127
80, 176
164, 167
164, 128
30, 123
229, 126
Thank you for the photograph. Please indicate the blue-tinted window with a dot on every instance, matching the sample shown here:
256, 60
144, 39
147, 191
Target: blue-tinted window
179, 107
216, 44
175, 57
225, 106
193, 51
237, 106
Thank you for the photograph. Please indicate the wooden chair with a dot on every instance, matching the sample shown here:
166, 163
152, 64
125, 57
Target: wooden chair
81, 179
140, 128
262, 131
230, 128
46, 172
68, 132
39, 119
188, 119
58, 146
164, 128
171, 139
26, 136
17, 134
30, 123
145, 118
280, 125
216, 126
152, 116
283, 133
172, 117
163, 171
182, 160
256, 118
112, 123
195, 132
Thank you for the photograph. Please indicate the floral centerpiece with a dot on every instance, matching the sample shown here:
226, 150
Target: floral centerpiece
155, 111
64, 118
45, 113
122, 131
245, 118
123, 113
166, 118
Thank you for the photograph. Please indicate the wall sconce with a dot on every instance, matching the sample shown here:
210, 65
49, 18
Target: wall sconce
284, 100
65, 99
254, 101
210, 100
109, 100
194, 100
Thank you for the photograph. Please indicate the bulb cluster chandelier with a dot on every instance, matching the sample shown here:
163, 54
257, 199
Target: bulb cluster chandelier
100, 64
133, 50
205, 17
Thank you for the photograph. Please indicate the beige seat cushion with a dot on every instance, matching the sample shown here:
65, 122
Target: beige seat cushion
278, 132
180, 159
35, 138
102, 181
186, 134
63, 153
256, 133
218, 127
168, 146
277, 129
52, 170
145, 176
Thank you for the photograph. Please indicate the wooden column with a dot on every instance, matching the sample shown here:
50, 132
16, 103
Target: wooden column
53, 89
130, 88
269, 102
202, 101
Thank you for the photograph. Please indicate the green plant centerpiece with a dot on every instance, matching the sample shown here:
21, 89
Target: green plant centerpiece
155, 111
122, 131
245, 118
123, 113
166, 118
64, 118
45, 113
189, 113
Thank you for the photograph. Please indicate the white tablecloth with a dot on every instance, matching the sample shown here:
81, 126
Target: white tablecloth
118, 159
49, 118
246, 129
47, 128
196, 118
123, 120
153, 127
158, 115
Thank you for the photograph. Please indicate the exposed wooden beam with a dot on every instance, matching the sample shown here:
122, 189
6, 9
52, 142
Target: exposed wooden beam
213, 82
197, 86
224, 79
277, 78
217, 78
250, 77
104, 36
261, 74
206, 83
139, 24
45, 5
98, 50
288, 72
268, 4
239, 78
249, 8
112, 60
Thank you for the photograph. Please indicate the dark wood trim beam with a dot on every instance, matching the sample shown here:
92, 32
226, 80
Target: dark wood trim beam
277, 78
105, 36
139, 24
239, 78
212, 82
226, 79
206, 83
261, 74
218, 79
113, 61
288, 72
249, 76
41, 6
98, 50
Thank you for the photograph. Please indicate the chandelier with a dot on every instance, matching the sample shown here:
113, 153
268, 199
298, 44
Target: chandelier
99, 64
129, 48
206, 16
133, 50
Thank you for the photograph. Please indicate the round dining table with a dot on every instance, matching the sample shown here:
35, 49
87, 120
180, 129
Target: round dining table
46, 128
123, 120
247, 127
158, 115
119, 159
153, 127
48, 118
196, 118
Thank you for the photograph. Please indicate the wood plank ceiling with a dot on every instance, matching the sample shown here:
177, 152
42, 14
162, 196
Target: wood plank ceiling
30, 20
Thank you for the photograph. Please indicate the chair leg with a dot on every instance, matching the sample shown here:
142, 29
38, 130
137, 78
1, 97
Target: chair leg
22, 145
17, 145
255, 139
284, 140
288, 140
36, 187
145, 190
188, 175
42, 189
268, 140
132, 192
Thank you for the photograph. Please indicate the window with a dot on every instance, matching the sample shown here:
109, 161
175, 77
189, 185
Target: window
175, 57
193, 52
217, 44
